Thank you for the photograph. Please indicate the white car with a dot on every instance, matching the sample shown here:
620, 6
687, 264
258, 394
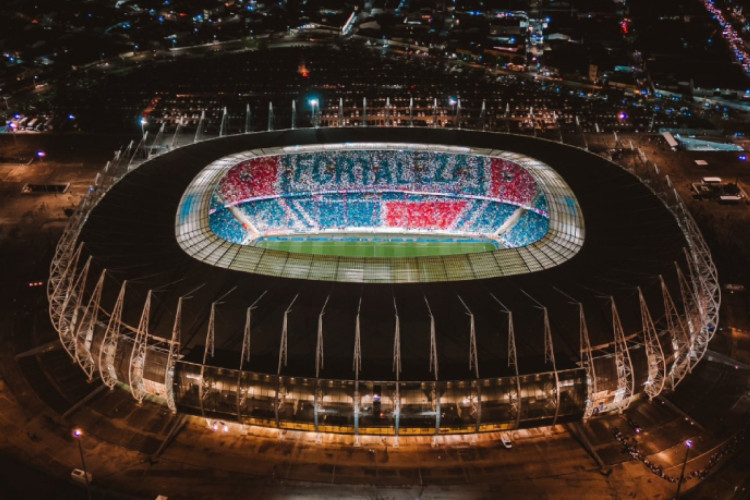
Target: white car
505, 439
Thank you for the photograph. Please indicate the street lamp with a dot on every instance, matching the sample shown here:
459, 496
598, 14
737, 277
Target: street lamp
452, 101
688, 445
78, 435
144, 122
314, 104
13, 128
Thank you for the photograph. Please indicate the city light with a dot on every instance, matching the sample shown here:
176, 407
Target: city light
78, 434
388, 166
688, 445
217, 425
733, 39
315, 105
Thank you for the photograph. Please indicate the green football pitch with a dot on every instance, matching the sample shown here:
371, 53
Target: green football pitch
381, 246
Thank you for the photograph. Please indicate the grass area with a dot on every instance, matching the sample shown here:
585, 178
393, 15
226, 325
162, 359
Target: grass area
397, 246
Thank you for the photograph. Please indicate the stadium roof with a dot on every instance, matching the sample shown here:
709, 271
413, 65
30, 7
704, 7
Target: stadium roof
631, 239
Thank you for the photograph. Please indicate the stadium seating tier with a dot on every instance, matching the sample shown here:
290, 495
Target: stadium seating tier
372, 190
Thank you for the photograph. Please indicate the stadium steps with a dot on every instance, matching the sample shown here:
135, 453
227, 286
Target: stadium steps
510, 222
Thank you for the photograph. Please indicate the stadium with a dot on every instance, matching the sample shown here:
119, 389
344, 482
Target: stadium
390, 281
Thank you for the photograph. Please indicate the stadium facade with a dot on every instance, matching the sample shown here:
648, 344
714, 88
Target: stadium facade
614, 299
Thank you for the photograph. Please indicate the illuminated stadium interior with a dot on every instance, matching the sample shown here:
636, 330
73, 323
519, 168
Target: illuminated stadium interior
372, 203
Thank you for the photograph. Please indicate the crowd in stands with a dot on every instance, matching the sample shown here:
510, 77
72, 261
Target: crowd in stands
363, 212
271, 214
421, 214
378, 170
375, 190
529, 228
216, 201
224, 225
511, 182
540, 204
249, 179
490, 217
